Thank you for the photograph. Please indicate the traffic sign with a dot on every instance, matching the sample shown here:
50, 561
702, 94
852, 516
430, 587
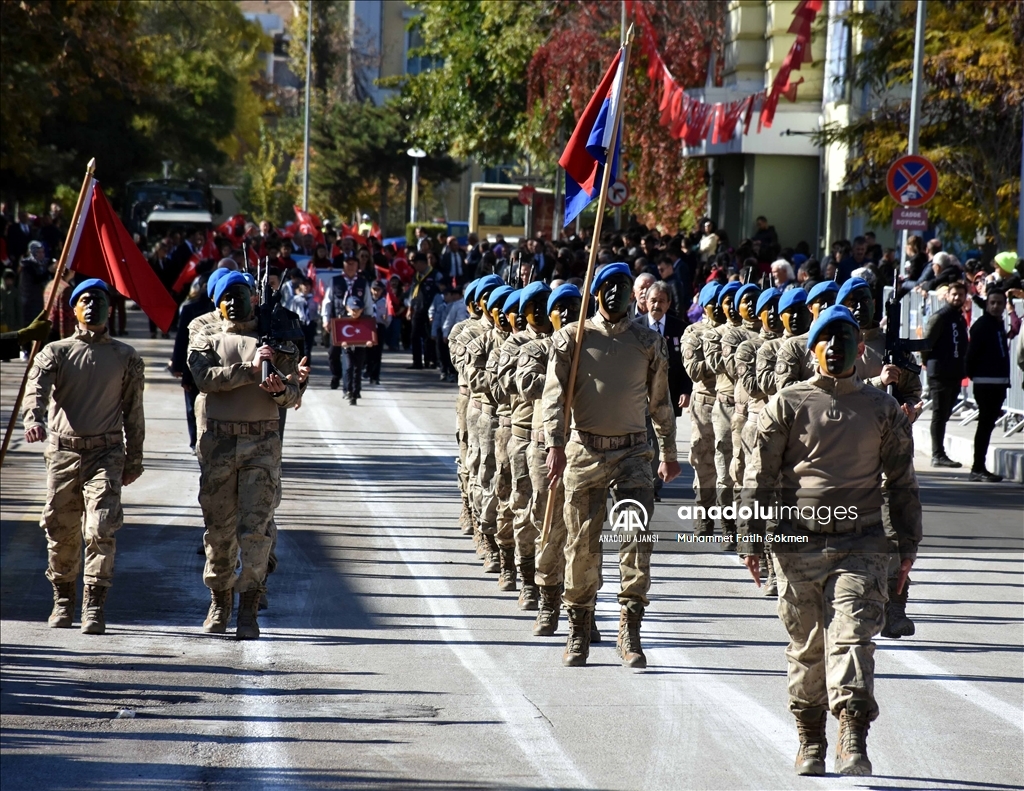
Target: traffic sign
912, 181
618, 193
904, 219
526, 195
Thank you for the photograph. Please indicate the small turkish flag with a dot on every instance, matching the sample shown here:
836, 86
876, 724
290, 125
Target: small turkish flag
354, 332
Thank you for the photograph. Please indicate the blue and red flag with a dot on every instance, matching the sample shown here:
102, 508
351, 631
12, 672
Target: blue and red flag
585, 156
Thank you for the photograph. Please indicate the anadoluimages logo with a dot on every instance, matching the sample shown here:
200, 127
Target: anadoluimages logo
624, 516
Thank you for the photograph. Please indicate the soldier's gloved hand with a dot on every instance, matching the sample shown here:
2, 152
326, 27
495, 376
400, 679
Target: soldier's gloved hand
669, 470
555, 463
753, 564
38, 330
35, 434
273, 385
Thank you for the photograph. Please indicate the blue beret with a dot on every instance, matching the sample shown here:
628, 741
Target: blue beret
564, 291
743, 290
821, 289
795, 296
850, 285
249, 280
512, 301
85, 285
729, 288
766, 296
470, 293
498, 296
709, 294
215, 277
487, 283
533, 291
798, 259
226, 282
609, 271
826, 317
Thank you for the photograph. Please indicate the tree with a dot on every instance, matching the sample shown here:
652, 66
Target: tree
330, 48
971, 112
265, 190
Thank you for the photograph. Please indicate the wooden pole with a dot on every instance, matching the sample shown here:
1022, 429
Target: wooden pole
602, 203
55, 288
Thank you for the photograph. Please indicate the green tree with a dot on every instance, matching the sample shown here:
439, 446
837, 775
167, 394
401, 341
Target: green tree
266, 192
971, 112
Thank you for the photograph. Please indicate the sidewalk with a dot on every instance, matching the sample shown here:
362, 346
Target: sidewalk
1005, 454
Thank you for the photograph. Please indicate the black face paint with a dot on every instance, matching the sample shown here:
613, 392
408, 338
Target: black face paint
728, 310
614, 294
565, 312
92, 308
520, 323
535, 317
501, 320
797, 319
770, 318
862, 306
748, 305
236, 303
836, 349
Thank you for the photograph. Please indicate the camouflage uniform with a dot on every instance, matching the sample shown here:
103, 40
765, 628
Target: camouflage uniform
793, 363
702, 433
829, 442
531, 373
622, 368
239, 453
472, 330
754, 399
732, 339
505, 533
461, 405
476, 356
96, 432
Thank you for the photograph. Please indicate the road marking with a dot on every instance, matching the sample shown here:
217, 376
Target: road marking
531, 733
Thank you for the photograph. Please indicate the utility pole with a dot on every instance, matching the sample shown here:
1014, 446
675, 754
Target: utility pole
916, 90
309, 78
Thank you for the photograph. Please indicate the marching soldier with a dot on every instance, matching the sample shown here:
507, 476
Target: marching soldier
239, 453
487, 484
702, 401
623, 367
96, 431
461, 402
531, 323
505, 533
857, 295
791, 314
561, 310
793, 363
834, 444
754, 399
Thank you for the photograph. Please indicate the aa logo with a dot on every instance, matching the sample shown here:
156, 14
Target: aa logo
628, 516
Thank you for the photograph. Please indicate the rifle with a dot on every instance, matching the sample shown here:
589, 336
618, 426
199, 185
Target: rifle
275, 324
899, 351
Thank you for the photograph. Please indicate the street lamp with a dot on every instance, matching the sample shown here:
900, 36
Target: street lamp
417, 154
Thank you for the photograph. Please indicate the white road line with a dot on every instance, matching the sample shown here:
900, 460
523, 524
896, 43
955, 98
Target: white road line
532, 733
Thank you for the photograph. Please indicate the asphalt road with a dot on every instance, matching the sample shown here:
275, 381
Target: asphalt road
389, 660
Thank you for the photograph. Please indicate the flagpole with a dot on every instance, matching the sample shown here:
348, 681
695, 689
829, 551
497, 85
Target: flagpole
602, 202
61, 266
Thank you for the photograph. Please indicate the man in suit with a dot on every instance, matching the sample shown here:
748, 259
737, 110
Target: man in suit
671, 329
543, 264
453, 263
19, 234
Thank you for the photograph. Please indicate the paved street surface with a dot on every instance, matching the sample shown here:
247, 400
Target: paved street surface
389, 660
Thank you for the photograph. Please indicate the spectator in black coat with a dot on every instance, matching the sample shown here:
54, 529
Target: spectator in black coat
197, 304
988, 364
946, 332
673, 286
425, 286
19, 234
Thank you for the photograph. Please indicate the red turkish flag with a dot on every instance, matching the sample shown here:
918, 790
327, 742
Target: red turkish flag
354, 332
102, 247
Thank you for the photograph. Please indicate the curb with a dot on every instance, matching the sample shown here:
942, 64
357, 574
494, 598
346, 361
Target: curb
1008, 462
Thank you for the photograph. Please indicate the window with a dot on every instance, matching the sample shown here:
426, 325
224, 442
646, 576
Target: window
837, 52
501, 212
415, 64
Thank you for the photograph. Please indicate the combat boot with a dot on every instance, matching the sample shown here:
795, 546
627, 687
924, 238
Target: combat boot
247, 627
577, 645
479, 543
810, 758
63, 605
507, 569
466, 519
771, 585
219, 614
852, 749
93, 621
528, 598
492, 558
547, 613
897, 624
628, 642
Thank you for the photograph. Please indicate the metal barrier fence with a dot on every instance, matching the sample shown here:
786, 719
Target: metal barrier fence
914, 316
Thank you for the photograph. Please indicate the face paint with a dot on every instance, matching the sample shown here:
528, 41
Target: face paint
747, 306
519, 321
536, 318
797, 320
836, 349
727, 310
500, 320
862, 306
614, 295
770, 318
92, 308
821, 302
565, 312
236, 303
